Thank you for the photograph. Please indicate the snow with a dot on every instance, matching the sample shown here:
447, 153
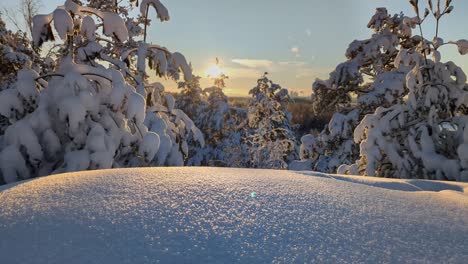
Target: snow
149, 146
301, 165
170, 101
77, 160
72, 111
22, 135
26, 84
15, 57
207, 215
63, 23
51, 144
101, 160
92, 49
13, 164
161, 10
142, 52
180, 62
10, 104
95, 141
88, 28
160, 61
90, 102
198, 136
433, 161
114, 26
118, 92
462, 46
164, 148
41, 30
136, 108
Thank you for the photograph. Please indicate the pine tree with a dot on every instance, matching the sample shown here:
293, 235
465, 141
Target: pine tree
270, 136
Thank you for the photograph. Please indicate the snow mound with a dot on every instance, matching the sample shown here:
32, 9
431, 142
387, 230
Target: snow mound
206, 215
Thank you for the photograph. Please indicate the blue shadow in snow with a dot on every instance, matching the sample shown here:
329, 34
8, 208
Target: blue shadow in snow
404, 185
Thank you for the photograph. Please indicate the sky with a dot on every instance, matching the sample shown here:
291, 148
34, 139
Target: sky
295, 41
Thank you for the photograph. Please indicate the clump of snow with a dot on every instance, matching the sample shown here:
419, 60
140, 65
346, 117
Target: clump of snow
462, 46
101, 160
149, 146
72, 112
52, 144
136, 108
22, 135
114, 26
13, 165
180, 62
88, 28
41, 31
161, 63
77, 160
26, 84
10, 104
161, 10
170, 101
118, 92
63, 23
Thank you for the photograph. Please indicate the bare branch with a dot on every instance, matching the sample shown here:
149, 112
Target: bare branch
25, 9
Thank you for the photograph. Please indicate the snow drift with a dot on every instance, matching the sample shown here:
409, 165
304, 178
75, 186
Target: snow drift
208, 215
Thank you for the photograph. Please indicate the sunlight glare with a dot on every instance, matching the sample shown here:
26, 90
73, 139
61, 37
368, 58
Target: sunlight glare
214, 71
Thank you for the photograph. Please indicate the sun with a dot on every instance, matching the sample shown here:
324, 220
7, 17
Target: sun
214, 71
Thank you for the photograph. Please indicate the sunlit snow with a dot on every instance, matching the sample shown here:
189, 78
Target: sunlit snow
213, 215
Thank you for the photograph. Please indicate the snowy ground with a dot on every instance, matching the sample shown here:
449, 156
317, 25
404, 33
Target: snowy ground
215, 215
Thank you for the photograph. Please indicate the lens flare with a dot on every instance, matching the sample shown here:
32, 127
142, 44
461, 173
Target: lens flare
214, 71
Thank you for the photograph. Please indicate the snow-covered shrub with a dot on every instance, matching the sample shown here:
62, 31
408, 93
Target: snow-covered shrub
422, 136
368, 79
97, 109
270, 139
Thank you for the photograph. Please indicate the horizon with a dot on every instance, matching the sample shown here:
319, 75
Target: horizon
297, 43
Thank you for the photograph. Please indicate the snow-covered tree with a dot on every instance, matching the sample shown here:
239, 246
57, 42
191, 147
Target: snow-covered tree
368, 79
219, 122
97, 109
270, 139
424, 135
412, 114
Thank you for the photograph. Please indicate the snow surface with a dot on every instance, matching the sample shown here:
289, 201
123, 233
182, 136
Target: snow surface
213, 215
161, 10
